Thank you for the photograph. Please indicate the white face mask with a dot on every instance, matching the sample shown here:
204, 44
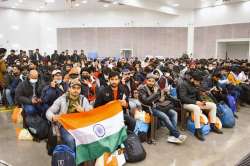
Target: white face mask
59, 81
33, 81
167, 74
106, 76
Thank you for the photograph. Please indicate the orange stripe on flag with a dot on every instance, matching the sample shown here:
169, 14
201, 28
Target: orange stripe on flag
83, 119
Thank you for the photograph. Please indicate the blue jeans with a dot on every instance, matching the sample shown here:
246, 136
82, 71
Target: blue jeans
67, 138
35, 109
169, 119
9, 97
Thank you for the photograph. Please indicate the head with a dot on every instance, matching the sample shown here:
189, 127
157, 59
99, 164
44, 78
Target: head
33, 76
37, 50
2, 52
12, 52
195, 78
75, 51
85, 73
32, 65
114, 79
126, 74
74, 88
57, 76
151, 80
16, 70
135, 94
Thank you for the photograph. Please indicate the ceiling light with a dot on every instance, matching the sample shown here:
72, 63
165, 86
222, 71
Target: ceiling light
175, 5
16, 4
15, 27
106, 5
1, 36
50, 1
219, 2
84, 2
41, 7
37, 9
20, 1
115, 2
77, 5
13, 7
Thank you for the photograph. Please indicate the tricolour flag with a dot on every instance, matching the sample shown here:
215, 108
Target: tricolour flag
97, 131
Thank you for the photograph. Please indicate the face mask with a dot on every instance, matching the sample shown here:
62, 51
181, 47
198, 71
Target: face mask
33, 81
59, 81
106, 76
210, 68
167, 74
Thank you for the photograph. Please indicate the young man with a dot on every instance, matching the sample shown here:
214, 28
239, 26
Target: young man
190, 97
150, 95
70, 102
115, 91
56, 88
2, 67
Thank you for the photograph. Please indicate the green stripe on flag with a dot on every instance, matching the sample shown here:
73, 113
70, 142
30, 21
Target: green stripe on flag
92, 151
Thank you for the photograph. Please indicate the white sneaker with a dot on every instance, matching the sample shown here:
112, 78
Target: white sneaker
182, 137
175, 140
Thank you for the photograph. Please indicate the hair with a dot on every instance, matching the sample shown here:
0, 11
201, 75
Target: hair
114, 74
3, 50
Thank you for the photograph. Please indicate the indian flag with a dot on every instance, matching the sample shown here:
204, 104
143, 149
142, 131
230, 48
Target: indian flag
95, 132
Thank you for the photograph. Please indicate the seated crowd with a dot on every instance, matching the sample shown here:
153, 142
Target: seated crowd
62, 84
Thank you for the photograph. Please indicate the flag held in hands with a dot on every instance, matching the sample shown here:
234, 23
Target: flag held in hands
95, 132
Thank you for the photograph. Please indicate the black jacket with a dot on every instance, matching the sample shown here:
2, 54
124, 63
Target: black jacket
105, 95
188, 93
24, 92
146, 98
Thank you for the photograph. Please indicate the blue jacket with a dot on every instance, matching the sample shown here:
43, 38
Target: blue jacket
49, 94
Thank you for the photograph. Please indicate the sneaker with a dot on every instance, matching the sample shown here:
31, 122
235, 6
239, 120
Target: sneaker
175, 140
182, 137
199, 135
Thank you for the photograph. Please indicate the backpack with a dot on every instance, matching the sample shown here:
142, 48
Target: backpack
141, 130
53, 138
205, 129
226, 115
37, 126
63, 156
134, 151
232, 103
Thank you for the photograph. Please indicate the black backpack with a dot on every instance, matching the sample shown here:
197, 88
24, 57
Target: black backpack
134, 151
37, 126
53, 138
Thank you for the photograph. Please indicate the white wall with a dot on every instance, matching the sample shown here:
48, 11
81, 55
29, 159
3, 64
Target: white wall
225, 14
105, 18
238, 51
19, 29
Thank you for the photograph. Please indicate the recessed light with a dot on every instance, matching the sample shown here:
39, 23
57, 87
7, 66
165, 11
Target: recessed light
37, 9
41, 7
106, 5
16, 4
84, 2
175, 5
20, 1
115, 2
77, 5
1, 36
50, 1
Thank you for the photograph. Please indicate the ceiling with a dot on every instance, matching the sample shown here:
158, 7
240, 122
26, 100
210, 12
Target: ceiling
164, 6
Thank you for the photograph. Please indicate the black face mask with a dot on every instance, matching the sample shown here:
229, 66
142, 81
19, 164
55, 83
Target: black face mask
85, 77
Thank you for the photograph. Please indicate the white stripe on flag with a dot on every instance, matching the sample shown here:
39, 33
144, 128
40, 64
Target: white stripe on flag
95, 132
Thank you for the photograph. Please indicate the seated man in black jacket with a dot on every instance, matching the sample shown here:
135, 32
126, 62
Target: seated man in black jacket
28, 94
190, 96
151, 96
115, 91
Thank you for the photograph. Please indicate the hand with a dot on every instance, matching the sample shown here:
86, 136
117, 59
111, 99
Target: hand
156, 89
55, 118
34, 100
200, 103
78, 107
53, 84
123, 103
